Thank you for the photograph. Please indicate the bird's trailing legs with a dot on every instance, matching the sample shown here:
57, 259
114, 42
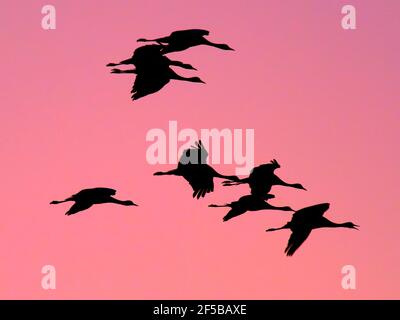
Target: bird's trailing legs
160, 41
172, 63
122, 71
163, 173
123, 62
219, 205
286, 226
233, 183
61, 201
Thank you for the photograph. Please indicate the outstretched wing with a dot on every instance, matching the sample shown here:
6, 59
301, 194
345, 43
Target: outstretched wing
197, 154
234, 212
260, 179
105, 191
296, 240
311, 212
265, 169
190, 32
147, 83
201, 182
148, 52
95, 192
78, 206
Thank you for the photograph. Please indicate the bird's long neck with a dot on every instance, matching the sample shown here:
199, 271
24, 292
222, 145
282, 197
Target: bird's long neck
339, 225
178, 77
330, 224
291, 185
216, 45
122, 202
280, 182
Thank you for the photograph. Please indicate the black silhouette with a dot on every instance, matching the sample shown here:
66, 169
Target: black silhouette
85, 198
304, 221
150, 82
262, 178
193, 168
249, 203
153, 71
184, 39
149, 55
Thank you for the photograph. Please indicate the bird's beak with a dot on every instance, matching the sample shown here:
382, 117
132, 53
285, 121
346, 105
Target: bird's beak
356, 227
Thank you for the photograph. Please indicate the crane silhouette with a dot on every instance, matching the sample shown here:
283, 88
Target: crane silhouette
262, 178
193, 168
249, 203
304, 221
153, 71
86, 198
184, 39
148, 55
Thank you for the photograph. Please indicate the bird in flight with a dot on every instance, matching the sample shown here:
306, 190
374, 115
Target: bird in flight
146, 56
153, 70
193, 168
184, 39
262, 178
249, 203
304, 221
86, 198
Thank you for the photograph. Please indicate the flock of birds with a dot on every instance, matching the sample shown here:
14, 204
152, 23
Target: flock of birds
153, 72
153, 69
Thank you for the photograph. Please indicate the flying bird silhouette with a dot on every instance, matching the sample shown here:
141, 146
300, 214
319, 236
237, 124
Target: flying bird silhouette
193, 168
86, 198
304, 221
262, 178
184, 39
149, 55
249, 203
153, 71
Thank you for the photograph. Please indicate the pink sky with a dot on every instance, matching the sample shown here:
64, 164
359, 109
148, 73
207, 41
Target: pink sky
322, 100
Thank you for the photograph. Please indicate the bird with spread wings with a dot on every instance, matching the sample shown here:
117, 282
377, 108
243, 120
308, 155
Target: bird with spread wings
194, 169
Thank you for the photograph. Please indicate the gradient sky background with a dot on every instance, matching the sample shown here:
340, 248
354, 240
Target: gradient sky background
322, 100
